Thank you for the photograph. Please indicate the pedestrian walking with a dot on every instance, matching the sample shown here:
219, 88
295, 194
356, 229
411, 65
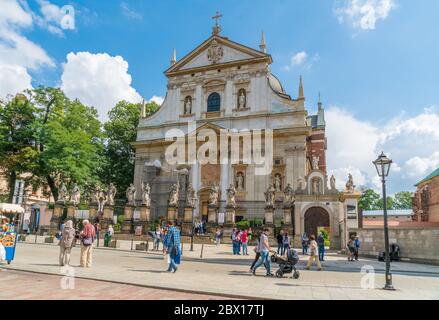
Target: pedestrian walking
357, 245
321, 244
305, 243
313, 254
66, 243
157, 238
97, 227
244, 242
279, 239
172, 245
218, 236
286, 243
264, 249
87, 236
351, 249
235, 241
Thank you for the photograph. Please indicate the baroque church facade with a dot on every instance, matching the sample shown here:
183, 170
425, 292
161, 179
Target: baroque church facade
221, 85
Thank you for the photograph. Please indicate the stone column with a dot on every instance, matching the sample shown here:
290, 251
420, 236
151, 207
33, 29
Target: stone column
145, 216
107, 218
269, 218
127, 226
56, 217
212, 218
172, 213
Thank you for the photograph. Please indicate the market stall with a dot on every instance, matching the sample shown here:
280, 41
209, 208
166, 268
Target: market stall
8, 231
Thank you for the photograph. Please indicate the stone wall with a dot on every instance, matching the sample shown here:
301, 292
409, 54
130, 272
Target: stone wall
416, 244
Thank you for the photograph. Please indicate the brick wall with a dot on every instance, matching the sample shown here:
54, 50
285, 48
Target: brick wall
416, 244
316, 145
433, 186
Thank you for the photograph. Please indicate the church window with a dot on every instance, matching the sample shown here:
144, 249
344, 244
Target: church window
213, 102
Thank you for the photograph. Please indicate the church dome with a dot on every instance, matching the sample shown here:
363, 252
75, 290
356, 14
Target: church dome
275, 84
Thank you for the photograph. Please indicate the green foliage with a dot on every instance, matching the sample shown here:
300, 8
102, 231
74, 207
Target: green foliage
256, 223
117, 227
243, 224
369, 199
120, 219
403, 200
120, 131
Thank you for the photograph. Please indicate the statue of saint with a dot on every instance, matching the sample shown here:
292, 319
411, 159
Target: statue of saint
146, 194
350, 187
173, 195
75, 195
231, 192
111, 194
213, 195
301, 183
315, 162
289, 194
188, 106
316, 186
240, 181
277, 183
332, 182
131, 195
190, 196
62, 193
269, 196
241, 100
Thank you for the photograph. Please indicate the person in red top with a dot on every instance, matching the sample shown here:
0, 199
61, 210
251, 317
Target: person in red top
244, 242
87, 236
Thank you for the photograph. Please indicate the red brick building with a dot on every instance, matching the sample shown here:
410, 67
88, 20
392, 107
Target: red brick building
426, 199
316, 142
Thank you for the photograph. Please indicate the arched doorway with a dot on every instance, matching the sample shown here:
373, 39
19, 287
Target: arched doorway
315, 219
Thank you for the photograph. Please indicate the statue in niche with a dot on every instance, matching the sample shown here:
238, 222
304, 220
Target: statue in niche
350, 187
269, 196
301, 183
315, 162
278, 183
316, 186
146, 194
190, 196
188, 105
289, 194
241, 99
75, 195
332, 182
173, 195
131, 195
111, 194
240, 181
62, 193
213, 195
231, 192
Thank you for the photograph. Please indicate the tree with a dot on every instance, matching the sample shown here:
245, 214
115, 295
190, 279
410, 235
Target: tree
18, 153
403, 200
369, 200
120, 131
390, 204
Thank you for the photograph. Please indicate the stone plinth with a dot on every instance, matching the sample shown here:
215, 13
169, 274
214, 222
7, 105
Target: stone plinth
145, 214
107, 218
188, 212
56, 217
127, 226
287, 216
186, 228
71, 212
230, 216
93, 213
269, 216
172, 214
212, 215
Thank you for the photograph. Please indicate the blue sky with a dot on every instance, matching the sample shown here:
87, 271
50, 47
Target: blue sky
375, 63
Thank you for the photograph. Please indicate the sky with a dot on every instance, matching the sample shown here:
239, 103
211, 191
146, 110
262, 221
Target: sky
375, 63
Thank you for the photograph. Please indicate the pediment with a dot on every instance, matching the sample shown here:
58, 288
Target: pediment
209, 125
215, 52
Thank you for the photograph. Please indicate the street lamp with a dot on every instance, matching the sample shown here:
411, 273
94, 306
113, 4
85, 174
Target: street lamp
194, 202
382, 165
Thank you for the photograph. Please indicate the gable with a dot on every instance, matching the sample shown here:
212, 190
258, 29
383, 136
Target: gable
215, 52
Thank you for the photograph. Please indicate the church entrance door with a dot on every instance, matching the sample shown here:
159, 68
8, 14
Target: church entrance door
316, 218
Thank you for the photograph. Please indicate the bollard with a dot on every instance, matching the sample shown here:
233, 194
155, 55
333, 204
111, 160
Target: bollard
182, 248
132, 241
147, 245
36, 237
202, 248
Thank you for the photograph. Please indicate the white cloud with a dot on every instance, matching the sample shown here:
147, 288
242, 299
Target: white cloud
98, 80
17, 53
363, 14
128, 12
157, 99
54, 18
411, 142
301, 59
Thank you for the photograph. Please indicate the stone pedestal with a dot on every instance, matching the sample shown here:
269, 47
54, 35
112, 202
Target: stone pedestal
212, 215
269, 216
56, 217
172, 214
107, 218
93, 213
71, 210
127, 226
187, 221
145, 216
287, 219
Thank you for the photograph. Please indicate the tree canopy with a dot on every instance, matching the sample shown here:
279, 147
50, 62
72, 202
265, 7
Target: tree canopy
370, 200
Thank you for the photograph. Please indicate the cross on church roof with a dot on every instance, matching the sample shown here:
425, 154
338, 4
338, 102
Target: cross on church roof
217, 28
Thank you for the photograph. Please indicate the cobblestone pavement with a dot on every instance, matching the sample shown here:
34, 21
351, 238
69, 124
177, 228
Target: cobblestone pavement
219, 272
20, 285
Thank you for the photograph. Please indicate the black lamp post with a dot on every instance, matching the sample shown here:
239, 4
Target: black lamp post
382, 165
194, 201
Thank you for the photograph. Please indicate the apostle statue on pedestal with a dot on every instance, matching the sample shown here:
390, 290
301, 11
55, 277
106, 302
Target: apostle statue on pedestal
131, 195
146, 194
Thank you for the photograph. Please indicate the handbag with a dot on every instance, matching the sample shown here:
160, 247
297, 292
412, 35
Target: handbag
88, 241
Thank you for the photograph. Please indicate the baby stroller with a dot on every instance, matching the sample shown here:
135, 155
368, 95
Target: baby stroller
286, 264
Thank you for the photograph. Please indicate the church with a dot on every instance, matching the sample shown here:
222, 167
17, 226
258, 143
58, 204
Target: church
224, 85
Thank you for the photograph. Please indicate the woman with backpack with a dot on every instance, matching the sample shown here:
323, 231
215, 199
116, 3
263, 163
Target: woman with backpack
66, 243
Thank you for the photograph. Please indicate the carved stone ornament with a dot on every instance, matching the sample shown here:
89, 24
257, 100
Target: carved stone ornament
215, 52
